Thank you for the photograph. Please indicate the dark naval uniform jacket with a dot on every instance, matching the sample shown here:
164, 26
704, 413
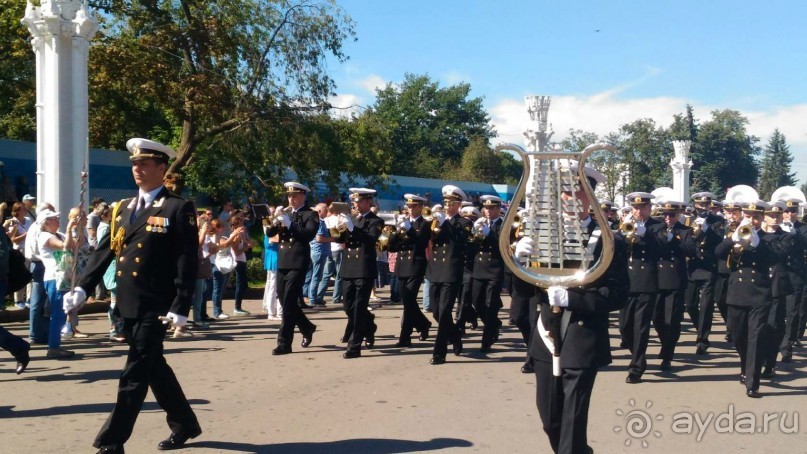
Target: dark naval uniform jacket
586, 343
360, 253
797, 260
156, 257
449, 249
488, 263
294, 250
750, 278
411, 249
782, 245
643, 258
673, 254
704, 264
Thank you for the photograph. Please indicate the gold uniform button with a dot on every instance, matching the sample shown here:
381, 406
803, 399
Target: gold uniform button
120, 259
120, 273
137, 259
741, 279
139, 245
134, 273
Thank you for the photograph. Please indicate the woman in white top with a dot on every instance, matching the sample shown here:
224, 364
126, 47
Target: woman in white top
50, 240
240, 244
17, 230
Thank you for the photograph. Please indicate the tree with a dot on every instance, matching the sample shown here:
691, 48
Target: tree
609, 164
775, 168
647, 150
480, 163
17, 75
430, 126
725, 155
196, 72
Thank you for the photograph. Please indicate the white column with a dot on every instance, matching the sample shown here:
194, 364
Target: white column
681, 165
62, 31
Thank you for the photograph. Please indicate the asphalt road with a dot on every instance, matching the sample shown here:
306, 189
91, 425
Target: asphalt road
392, 400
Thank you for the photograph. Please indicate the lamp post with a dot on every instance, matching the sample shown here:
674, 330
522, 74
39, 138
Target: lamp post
681, 165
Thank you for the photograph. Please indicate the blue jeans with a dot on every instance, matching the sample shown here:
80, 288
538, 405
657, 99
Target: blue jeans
57, 315
314, 276
37, 322
426, 295
198, 299
328, 272
240, 283
393, 288
337, 256
219, 279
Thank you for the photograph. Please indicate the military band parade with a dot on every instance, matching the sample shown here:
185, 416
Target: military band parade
647, 265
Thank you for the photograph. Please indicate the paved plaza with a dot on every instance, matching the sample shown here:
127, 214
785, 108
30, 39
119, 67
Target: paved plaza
391, 400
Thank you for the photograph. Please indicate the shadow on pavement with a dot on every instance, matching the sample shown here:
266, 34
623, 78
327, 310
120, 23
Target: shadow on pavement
362, 445
9, 412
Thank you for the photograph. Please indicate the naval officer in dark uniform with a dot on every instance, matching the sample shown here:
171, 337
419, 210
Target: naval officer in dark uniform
563, 402
676, 246
488, 271
154, 239
296, 226
450, 236
359, 269
643, 253
782, 243
410, 243
749, 292
797, 271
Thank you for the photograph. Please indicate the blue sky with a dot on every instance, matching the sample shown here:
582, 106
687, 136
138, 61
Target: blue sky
648, 59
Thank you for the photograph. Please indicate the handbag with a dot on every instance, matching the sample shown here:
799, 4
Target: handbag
225, 262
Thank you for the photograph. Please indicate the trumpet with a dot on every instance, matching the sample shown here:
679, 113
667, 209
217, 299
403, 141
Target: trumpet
628, 230
518, 232
275, 222
745, 232
382, 244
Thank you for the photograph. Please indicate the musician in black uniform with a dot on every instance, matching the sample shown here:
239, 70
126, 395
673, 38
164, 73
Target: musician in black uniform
782, 244
154, 240
295, 231
488, 271
450, 237
749, 292
700, 301
359, 269
563, 401
733, 215
523, 299
466, 312
676, 246
643, 253
611, 213
797, 269
410, 266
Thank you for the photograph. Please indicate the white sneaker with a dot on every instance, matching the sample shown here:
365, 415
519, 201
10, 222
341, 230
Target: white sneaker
274, 317
241, 312
178, 334
222, 316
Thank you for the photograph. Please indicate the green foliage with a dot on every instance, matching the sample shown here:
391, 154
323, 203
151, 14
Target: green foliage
647, 150
255, 271
17, 75
775, 167
430, 126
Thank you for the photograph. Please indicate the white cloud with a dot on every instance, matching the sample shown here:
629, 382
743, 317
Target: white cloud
603, 113
345, 105
371, 83
454, 78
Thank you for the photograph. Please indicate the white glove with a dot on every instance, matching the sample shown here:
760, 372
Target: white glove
174, 319
640, 230
558, 296
736, 235
348, 222
700, 221
524, 247
285, 220
440, 217
481, 226
74, 299
405, 224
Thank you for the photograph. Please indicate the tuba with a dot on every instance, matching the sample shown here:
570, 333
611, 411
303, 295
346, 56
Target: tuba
560, 256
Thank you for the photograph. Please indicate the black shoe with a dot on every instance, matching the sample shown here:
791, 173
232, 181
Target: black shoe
633, 379
701, 350
23, 358
458, 347
116, 449
527, 368
436, 360
797, 343
343, 339
350, 354
485, 349
753, 393
369, 341
787, 357
742, 379
728, 337
281, 351
424, 333
666, 365
308, 337
177, 440
474, 325
769, 372
403, 343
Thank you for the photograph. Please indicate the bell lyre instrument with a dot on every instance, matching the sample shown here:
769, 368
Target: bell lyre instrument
560, 254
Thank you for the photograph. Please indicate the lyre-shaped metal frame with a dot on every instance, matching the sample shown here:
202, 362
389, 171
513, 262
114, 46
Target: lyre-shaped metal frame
556, 276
